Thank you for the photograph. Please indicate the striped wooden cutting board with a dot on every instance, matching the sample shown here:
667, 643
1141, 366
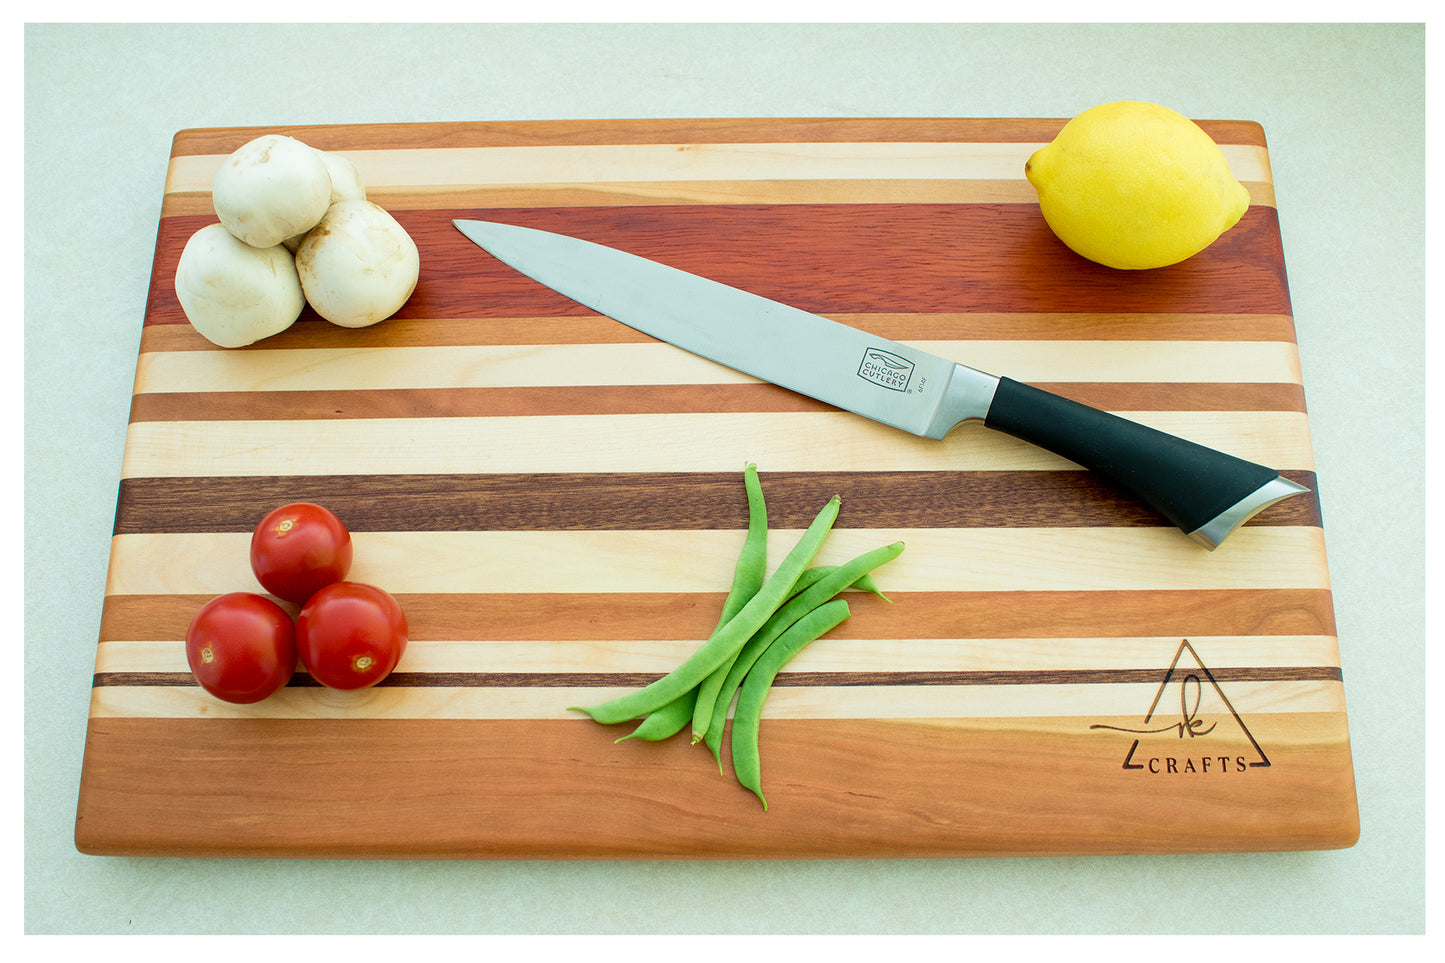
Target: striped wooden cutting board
557, 501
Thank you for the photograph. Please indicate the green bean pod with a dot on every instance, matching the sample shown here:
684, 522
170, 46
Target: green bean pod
752, 565
864, 583
833, 581
748, 578
726, 641
707, 723
747, 763
666, 722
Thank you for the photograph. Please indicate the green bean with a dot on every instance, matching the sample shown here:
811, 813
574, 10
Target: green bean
752, 565
747, 764
866, 584
726, 641
748, 575
833, 581
666, 722
709, 729
748, 578
863, 583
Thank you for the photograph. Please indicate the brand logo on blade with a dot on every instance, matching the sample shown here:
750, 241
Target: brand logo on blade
1191, 727
886, 369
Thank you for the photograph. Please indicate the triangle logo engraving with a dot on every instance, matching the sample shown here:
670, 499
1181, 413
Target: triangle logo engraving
1189, 704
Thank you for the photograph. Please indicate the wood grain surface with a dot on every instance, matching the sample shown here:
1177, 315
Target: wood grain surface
557, 502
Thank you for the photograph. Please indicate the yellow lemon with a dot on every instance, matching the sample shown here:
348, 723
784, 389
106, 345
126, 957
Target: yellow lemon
1135, 185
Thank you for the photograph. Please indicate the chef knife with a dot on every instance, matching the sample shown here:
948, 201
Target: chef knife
1205, 493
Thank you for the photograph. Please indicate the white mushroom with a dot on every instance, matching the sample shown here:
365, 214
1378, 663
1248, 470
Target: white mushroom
346, 185
271, 188
358, 266
236, 294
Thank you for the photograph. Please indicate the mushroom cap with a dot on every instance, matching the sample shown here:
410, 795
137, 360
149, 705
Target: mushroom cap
358, 266
271, 188
346, 185
235, 294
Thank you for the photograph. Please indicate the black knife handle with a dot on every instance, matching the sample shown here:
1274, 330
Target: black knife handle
1189, 484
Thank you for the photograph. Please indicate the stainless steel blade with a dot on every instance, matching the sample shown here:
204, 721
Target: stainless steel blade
885, 380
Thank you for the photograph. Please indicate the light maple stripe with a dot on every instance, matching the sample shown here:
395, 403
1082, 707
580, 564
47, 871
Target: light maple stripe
830, 655
1089, 703
952, 172
670, 193
441, 367
1243, 362
974, 190
1088, 559
781, 441
661, 163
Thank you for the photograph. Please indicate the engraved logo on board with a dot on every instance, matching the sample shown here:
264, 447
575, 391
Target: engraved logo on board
886, 369
1189, 712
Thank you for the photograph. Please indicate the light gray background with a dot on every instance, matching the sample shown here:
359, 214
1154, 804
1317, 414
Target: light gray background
1343, 107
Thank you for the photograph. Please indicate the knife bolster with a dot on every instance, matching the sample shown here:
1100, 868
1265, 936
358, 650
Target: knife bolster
968, 395
1204, 492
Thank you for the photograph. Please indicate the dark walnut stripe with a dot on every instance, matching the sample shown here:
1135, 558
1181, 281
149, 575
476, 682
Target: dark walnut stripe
548, 680
844, 258
582, 616
647, 399
604, 501
224, 140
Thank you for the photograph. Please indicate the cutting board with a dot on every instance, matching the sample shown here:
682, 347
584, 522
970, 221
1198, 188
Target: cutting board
557, 501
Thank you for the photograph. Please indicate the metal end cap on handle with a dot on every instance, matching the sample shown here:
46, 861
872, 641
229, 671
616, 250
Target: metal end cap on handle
1215, 531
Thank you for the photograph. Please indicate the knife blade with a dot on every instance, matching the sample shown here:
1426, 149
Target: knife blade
1204, 492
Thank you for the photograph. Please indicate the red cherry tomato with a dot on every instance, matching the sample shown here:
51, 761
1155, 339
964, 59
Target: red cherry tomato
350, 635
299, 548
241, 647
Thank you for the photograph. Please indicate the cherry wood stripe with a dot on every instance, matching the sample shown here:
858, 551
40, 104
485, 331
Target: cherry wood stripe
832, 787
421, 136
642, 501
1026, 614
832, 258
310, 332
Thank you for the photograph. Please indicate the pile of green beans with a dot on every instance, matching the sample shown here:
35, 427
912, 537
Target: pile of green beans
765, 621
